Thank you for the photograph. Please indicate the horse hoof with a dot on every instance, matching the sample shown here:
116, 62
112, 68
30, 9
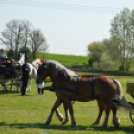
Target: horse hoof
73, 124
96, 123
60, 117
104, 126
65, 122
47, 123
116, 124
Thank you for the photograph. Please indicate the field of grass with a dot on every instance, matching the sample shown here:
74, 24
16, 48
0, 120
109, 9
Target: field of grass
27, 114
68, 60
81, 62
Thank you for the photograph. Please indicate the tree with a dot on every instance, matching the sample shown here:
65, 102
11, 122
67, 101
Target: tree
95, 50
105, 62
110, 48
16, 34
38, 42
122, 33
26, 35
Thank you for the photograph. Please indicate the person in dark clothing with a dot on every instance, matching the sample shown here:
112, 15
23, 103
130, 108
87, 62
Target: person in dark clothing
25, 76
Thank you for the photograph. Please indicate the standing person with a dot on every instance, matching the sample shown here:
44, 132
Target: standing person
25, 76
40, 88
2, 54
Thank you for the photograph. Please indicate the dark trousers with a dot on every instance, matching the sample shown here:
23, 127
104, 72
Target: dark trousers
24, 84
42, 91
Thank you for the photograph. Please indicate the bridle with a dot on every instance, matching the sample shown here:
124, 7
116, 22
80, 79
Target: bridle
40, 77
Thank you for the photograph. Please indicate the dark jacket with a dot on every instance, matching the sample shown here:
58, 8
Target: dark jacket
25, 73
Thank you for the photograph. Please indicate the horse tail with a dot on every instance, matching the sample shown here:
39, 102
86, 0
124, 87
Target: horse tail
121, 97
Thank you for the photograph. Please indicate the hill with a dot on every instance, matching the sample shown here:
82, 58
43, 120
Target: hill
67, 60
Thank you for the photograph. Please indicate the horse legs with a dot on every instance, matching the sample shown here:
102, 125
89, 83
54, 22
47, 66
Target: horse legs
56, 105
116, 121
71, 111
59, 115
107, 110
66, 114
97, 122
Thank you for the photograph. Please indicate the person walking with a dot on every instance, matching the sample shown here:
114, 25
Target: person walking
25, 76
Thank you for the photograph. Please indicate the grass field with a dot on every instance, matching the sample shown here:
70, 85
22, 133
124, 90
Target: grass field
68, 60
27, 114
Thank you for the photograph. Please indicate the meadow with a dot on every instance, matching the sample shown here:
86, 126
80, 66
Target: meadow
27, 114
67, 60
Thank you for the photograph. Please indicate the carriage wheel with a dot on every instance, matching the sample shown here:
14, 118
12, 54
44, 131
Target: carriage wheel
17, 82
8, 83
131, 116
2, 84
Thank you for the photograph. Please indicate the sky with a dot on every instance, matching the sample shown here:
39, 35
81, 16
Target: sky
69, 26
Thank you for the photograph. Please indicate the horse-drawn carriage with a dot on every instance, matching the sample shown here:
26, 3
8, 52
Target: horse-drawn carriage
70, 87
9, 74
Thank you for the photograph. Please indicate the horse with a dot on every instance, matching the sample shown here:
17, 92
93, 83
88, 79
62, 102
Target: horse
83, 89
33, 71
33, 75
22, 59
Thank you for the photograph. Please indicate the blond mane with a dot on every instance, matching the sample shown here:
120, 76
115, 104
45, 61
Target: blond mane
59, 68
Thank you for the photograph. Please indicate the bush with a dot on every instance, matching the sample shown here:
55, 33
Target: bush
10, 53
105, 62
27, 51
91, 61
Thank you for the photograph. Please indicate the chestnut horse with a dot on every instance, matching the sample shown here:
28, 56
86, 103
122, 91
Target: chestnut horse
82, 89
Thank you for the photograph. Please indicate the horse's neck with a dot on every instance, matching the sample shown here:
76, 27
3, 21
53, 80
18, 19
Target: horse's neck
21, 60
33, 72
59, 78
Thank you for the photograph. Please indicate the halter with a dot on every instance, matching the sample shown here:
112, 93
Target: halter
41, 67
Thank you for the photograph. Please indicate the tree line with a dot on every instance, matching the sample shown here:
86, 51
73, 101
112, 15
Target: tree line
119, 47
20, 35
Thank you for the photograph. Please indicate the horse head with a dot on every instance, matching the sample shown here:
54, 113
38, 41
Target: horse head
42, 73
22, 59
54, 70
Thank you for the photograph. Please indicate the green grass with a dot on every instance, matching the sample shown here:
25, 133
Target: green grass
68, 60
27, 114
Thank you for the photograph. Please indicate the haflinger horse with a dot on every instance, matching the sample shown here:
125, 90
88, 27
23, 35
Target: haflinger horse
69, 87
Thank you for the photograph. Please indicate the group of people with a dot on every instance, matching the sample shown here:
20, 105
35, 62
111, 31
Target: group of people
25, 75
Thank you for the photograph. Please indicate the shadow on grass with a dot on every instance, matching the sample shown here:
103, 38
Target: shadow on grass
15, 93
7, 92
126, 129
